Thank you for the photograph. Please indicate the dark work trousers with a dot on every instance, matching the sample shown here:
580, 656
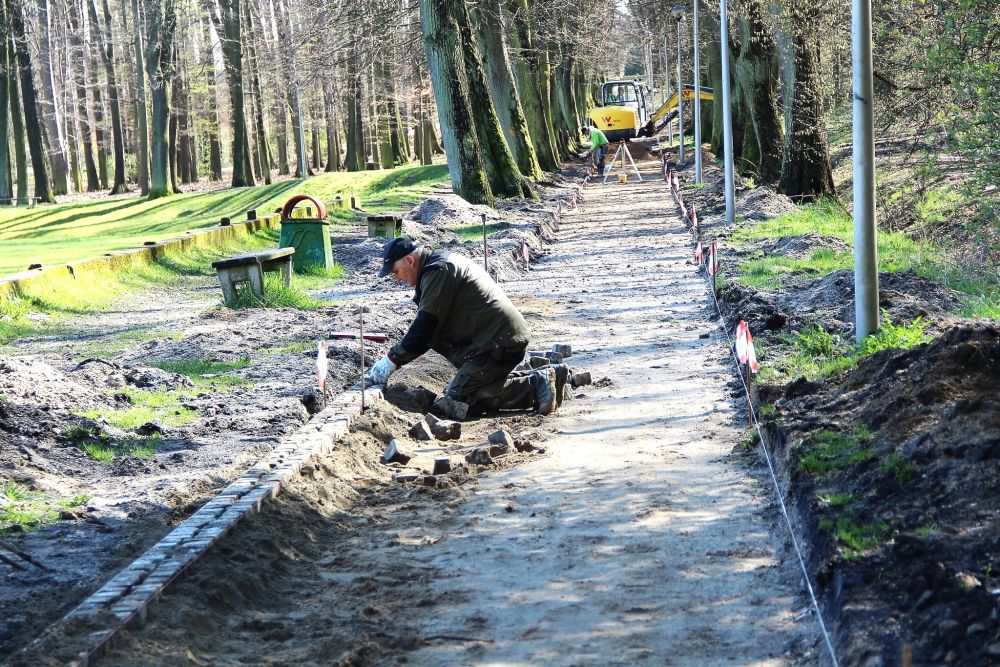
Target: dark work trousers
599, 159
485, 382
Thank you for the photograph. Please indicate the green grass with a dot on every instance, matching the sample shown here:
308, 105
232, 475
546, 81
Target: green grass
897, 467
897, 252
196, 369
103, 448
276, 295
856, 537
27, 509
816, 353
474, 232
836, 499
296, 347
925, 529
827, 451
55, 234
136, 416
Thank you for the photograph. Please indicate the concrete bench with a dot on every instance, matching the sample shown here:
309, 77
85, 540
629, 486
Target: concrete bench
250, 268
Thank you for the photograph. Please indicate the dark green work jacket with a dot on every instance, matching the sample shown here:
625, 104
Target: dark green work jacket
461, 312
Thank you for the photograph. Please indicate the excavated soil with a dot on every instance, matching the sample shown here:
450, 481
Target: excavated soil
93, 365
626, 533
926, 490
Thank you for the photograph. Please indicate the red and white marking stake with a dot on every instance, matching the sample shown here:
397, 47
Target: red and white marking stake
713, 258
745, 351
699, 254
322, 365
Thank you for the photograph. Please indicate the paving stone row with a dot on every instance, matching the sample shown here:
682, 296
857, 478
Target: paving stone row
123, 600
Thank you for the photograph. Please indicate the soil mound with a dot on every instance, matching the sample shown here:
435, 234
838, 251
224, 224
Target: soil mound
804, 246
830, 302
926, 491
762, 204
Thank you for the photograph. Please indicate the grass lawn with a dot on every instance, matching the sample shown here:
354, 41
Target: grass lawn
59, 233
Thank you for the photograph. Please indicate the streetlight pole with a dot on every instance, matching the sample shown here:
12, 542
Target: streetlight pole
866, 317
697, 99
727, 115
678, 12
666, 82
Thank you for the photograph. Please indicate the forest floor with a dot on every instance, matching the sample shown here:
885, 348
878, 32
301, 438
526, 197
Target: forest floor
640, 529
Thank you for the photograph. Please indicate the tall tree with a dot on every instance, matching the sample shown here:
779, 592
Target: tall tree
108, 56
501, 170
528, 76
32, 124
356, 153
79, 68
160, 21
6, 73
443, 44
756, 72
228, 19
491, 31
48, 97
805, 167
16, 121
140, 98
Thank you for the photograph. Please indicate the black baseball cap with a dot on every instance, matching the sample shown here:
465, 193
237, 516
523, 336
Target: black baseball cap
393, 251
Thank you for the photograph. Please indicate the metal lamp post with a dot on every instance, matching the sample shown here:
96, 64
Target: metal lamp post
727, 115
678, 12
866, 316
697, 99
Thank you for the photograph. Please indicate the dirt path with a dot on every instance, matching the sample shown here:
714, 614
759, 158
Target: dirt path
639, 538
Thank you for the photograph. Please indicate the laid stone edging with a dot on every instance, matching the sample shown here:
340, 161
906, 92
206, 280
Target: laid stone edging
125, 598
120, 259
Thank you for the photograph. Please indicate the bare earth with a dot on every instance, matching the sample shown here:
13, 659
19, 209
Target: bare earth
637, 537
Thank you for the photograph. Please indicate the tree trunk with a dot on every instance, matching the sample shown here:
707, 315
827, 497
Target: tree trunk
805, 169
355, 160
262, 150
49, 96
142, 126
527, 76
332, 143
757, 75
79, 67
490, 30
229, 26
173, 128
16, 122
32, 124
108, 57
443, 45
506, 179
160, 21
6, 74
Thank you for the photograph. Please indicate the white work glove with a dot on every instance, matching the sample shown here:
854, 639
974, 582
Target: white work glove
380, 372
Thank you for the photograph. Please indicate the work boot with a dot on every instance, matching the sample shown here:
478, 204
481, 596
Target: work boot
545, 390
563, 373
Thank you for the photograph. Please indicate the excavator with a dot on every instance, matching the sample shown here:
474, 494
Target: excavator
623, 115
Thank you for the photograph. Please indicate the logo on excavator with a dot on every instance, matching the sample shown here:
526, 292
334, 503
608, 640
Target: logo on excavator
606, 119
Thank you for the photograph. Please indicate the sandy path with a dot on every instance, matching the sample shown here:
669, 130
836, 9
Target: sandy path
637, 539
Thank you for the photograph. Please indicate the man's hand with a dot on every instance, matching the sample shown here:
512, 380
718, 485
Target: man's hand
380, 372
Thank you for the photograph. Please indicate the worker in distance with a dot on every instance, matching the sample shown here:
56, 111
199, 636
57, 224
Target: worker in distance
598, 145
463, 315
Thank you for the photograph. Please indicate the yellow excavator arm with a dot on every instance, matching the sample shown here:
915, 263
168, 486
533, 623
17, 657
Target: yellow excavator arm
668, 110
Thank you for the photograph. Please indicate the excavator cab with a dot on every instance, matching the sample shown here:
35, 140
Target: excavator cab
623, 114
622, 111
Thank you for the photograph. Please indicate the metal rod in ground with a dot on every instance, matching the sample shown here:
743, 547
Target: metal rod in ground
486, 265
361, 320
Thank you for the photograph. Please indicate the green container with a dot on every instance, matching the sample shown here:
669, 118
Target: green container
311, 240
